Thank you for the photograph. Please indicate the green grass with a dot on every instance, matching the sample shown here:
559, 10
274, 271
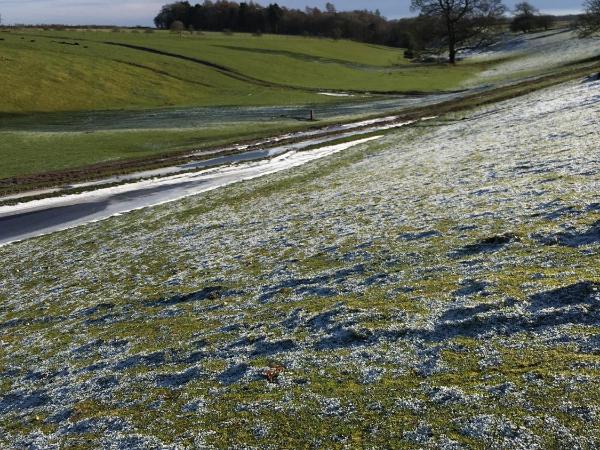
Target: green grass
41, 73
307, 62
44, 76
72, 150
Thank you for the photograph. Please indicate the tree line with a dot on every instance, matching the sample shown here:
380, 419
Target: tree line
250, 17
417, 33
528, 18
448, 26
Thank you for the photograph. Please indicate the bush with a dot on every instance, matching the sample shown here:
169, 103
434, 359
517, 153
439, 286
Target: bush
546, 22
257, 33
409, 54
148, 31
227, 32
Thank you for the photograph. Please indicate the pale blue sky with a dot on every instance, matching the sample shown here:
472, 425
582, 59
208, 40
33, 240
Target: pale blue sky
141, 12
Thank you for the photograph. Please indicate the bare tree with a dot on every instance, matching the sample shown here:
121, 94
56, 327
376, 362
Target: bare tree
466, 23
590, 21
546, 21
526, 18
525, 9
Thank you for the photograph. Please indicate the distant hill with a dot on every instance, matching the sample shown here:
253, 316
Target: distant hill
67, 70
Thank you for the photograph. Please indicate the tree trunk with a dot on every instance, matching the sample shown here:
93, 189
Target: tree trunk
452, 55
451, 42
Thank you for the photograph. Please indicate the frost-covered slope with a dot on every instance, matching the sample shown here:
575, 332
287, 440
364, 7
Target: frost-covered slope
440, 287
530, 54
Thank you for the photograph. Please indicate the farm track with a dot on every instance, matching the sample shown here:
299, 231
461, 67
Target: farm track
221, 69
161, 72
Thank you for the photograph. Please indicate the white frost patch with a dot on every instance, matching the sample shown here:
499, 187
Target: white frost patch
535, 52
336, 94
365, 123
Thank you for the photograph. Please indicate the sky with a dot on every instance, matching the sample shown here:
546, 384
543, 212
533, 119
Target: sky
141, 12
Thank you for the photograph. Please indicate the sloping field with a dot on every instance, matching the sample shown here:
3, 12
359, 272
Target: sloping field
58, 73
175, 93
534, 53
438, 288
322, 64
104, 70
45, 71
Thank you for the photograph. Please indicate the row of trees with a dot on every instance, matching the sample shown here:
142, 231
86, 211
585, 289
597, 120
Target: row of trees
428, 30
442, 25
222, 15
528, 18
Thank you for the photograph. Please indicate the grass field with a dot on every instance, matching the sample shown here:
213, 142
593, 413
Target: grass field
40, 152
69, 72
71, 150
437, 288
45, 71
42, 75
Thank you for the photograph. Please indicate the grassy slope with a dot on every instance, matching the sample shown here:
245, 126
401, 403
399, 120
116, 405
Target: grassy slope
42, 73
362, 242
80, 149
72, 150
308, 62
45, 75
94, 75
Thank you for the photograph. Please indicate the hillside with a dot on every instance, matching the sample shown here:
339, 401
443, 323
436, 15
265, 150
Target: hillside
437, 287
131, 96
107, 70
